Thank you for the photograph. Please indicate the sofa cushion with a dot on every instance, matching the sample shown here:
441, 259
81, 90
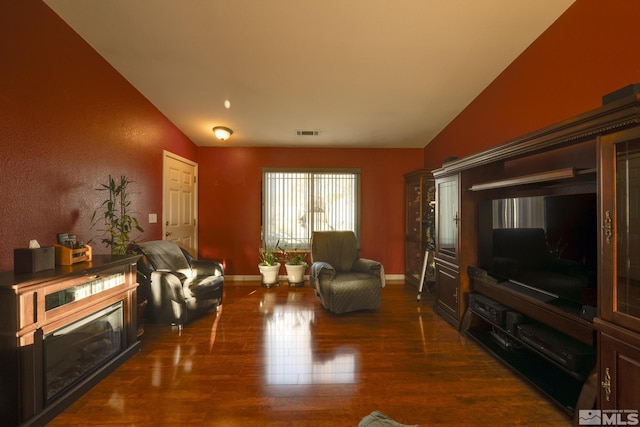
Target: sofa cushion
204, 287
166, 255
338, 248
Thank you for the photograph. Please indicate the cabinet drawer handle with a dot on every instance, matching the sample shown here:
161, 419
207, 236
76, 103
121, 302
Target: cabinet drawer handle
607, 227
606, 384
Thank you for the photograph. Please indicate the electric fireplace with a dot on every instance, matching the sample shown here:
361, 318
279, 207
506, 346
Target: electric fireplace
76, 350
61, 332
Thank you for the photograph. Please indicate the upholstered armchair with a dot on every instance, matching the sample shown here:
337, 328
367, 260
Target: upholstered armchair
177, 286
342, 280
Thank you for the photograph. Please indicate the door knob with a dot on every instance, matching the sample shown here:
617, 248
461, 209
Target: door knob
168, 233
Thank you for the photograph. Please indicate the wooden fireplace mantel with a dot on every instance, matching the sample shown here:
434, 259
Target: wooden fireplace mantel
33, 305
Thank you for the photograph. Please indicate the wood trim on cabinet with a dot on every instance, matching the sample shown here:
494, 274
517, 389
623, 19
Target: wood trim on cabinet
612, 117
558, 174
567, 323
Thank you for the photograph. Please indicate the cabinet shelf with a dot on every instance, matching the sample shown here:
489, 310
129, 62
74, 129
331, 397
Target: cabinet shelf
547, 377
580, 375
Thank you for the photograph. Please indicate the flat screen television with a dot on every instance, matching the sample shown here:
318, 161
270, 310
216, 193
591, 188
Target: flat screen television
543, 246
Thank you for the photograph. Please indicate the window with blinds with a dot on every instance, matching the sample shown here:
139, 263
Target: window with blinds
298, 202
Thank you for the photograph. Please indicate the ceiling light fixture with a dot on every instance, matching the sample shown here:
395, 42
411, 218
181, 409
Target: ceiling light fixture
222, 133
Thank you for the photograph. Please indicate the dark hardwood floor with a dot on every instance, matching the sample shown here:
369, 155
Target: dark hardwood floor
275, 357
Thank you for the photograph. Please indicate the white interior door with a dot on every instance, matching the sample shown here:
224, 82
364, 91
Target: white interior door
180, 202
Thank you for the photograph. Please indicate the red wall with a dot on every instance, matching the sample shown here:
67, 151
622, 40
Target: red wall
230, 199
67, 121
591, 50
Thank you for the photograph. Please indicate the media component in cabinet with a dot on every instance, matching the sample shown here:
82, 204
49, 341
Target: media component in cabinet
544, 245
555, 363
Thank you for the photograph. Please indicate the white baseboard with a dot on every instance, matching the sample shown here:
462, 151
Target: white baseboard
257, 277
242, 278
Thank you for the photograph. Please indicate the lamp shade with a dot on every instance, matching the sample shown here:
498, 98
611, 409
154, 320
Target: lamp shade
222, 133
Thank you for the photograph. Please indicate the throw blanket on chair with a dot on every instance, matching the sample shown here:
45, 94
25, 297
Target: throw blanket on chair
378, 419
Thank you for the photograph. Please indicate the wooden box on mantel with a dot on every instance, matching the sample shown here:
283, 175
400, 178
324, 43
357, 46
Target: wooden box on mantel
68, 256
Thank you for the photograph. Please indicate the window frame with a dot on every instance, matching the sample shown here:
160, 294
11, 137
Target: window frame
357, 172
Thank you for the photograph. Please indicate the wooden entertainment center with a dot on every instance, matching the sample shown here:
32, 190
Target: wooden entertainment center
61, 331
595, 153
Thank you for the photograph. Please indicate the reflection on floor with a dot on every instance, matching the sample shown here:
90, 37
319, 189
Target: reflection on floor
289, 356
275, 357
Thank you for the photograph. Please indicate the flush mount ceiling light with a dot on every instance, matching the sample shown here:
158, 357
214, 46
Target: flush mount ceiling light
222, 133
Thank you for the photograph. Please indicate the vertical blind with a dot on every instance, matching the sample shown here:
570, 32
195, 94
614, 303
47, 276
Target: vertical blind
523, 212
296, 203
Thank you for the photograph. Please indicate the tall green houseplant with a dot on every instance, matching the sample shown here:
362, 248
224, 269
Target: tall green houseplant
115, 215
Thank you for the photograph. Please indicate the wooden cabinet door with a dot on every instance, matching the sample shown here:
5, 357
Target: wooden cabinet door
619, 374
619, 268
447, 217
448, 292
447, 249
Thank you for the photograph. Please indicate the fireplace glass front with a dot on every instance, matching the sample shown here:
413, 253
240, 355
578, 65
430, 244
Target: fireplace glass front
74, 351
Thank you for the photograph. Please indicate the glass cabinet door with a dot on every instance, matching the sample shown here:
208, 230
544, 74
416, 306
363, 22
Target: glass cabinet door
413, 230
447, 219
628, 228
620, 238
413, 196
419, 225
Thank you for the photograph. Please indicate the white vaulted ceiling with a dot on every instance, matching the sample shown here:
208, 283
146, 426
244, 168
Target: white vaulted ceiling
364, 73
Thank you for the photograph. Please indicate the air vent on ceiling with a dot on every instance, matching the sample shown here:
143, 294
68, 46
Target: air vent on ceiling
307, 132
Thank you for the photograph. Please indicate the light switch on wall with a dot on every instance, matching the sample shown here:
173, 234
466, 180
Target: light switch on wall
153, 218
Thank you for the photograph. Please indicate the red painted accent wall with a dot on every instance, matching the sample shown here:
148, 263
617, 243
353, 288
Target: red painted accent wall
230, 199
591, 50
67, 121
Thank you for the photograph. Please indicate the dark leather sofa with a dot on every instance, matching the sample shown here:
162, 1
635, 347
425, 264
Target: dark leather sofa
177, 286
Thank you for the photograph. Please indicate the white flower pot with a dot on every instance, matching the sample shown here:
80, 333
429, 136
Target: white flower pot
269, 274
295, 274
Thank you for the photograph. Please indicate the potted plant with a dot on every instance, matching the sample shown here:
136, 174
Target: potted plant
114, 213
269, 265
295, 265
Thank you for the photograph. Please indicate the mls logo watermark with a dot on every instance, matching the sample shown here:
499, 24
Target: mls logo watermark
608, 417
